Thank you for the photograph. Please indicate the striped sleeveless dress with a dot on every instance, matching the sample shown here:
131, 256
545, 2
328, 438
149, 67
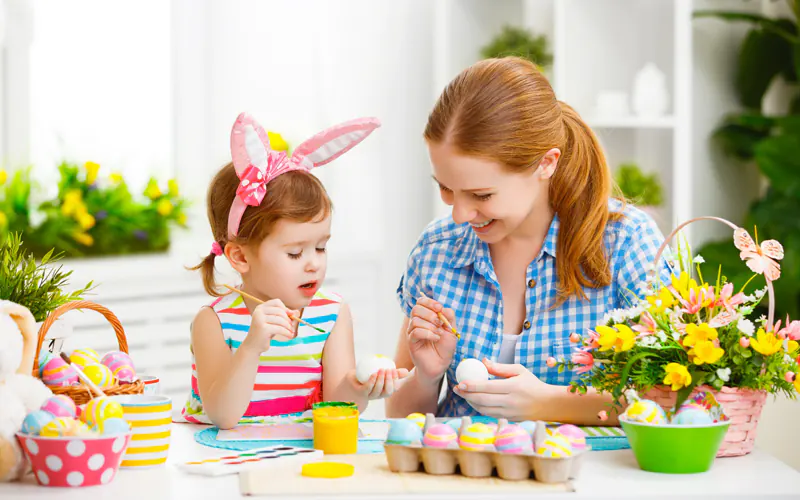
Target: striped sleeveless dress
289, 378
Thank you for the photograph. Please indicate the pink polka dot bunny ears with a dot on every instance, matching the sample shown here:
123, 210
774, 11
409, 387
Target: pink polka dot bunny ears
256, 164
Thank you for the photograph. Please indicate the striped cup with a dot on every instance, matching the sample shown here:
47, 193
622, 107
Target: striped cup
150, 417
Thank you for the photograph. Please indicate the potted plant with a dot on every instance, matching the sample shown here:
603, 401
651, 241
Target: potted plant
693, 332
40, 286
644, 190
514, 41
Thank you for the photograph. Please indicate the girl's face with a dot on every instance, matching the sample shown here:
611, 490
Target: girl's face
290, 263
496, 203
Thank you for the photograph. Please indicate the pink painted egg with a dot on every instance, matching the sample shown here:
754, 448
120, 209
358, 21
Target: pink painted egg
60, 406
513, 439
576, 437
121, 366
57, 373
440, 436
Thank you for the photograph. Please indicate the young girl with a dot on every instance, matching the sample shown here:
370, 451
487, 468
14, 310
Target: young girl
535, 250
272, 219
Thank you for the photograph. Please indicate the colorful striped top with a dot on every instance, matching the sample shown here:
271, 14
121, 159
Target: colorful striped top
289, 378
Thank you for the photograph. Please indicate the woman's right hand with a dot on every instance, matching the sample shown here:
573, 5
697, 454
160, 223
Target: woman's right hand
430, 344
270, 321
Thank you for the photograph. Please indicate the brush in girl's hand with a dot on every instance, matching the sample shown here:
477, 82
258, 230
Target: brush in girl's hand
443, 319
86, 380
299, 320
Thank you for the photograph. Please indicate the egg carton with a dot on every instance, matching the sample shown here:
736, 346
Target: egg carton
484, 463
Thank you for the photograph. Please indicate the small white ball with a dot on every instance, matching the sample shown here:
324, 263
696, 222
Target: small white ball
473, 370
369, 365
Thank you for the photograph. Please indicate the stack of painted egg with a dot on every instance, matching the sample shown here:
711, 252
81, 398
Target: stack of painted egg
115, 367
702, 409
58, 417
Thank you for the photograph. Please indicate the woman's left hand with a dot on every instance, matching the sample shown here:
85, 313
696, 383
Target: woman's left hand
518, 395
382, 384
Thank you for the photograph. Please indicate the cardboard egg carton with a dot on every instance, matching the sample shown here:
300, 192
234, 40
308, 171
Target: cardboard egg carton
476, 464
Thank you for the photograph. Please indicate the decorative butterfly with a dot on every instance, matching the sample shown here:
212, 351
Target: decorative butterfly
759, 258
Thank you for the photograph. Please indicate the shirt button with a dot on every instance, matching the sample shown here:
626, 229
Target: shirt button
531, 283
526, 325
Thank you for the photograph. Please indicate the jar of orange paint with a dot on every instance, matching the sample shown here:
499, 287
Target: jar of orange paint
335, 427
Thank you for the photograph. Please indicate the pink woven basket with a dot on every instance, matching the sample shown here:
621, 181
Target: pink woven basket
743, 406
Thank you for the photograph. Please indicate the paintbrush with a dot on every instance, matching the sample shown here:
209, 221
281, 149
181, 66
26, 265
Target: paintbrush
86, 380
444, 320
299, 320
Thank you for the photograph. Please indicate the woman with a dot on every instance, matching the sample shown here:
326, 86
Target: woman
536, 249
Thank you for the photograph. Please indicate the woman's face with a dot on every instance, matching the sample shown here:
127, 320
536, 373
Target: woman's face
495, 202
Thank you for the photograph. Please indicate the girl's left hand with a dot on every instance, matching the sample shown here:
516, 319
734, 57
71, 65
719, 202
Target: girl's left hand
382, 384
518, 395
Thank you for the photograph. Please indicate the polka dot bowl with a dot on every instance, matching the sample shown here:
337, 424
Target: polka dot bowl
74, 461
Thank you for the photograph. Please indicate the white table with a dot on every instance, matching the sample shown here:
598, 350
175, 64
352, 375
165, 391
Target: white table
608, 474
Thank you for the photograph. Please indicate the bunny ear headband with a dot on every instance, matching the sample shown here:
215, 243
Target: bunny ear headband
256, 164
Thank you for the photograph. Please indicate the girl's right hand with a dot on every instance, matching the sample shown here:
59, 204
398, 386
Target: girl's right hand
431, 344
270, 321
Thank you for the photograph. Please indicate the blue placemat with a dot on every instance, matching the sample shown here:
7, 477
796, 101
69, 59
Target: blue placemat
599, 438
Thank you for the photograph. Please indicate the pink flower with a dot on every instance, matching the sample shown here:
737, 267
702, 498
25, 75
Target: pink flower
602, 415
594, 337
698, 298
744, 342
574, 338
724, 318
551, 362
791, 330
583, 358
646, 326
727, 300
789, 377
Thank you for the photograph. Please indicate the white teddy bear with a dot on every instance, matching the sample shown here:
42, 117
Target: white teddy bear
20, 393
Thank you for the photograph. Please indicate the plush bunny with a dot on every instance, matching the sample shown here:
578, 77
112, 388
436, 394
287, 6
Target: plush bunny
20, 393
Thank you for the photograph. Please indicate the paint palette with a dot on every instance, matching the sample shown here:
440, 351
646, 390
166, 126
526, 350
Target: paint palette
251, 459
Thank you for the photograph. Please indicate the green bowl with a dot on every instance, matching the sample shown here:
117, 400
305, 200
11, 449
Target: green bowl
675, 449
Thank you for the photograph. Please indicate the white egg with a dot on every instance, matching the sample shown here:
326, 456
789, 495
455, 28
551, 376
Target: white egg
369, 365
473, 370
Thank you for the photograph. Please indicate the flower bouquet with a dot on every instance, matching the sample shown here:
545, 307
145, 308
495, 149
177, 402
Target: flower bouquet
695, 333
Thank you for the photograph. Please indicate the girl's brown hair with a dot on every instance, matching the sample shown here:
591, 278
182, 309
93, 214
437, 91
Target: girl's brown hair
297, 196
504, 110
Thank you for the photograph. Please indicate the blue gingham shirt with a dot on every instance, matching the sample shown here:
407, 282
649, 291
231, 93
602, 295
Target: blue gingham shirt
452, 265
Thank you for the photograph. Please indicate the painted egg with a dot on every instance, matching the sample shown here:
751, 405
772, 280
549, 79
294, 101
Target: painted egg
455, 423
100, 409
370, 365
113, 425
473, 370
417, 418
35, 421
60, 406
577, 438
404, 432
555, 445
646, 412
78, 428
57, 427
57, 373
477, 437
691, 414
44, 357
513, 439
530, 427
440, 436
100, 375
84, 357
121, 366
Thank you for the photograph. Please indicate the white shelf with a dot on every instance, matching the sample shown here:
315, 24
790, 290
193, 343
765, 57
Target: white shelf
636, 122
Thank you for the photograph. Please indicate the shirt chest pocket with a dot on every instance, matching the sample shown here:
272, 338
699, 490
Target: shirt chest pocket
561, 349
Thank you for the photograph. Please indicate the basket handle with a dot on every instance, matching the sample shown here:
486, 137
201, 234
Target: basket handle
76, 305
733, 226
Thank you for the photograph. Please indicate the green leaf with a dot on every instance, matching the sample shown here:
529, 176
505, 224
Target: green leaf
763, 56
778, 159
772, 25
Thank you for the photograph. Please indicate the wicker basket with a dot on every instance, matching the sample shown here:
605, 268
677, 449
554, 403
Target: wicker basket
743, 406
81, 394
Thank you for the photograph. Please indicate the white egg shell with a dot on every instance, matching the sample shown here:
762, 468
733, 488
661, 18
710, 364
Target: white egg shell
369, 365
471, 369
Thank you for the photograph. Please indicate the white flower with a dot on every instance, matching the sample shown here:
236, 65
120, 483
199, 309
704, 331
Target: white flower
724, 374
676, 336
36, 218
745, 310
647, 341
746, 327
699, 259
760, 292
661, 336
787, 358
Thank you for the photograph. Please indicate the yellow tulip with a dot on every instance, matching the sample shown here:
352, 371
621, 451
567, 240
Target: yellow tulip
659, 303
73, 203
173, 188
705, 352
701, 333
683, 284
620, 338
182, 219
3, 177
792, 346
797, 384
765, 343
91, 171
115, 178
85, 220
276, 142
152, 191
83, 239
677, 376
164, 207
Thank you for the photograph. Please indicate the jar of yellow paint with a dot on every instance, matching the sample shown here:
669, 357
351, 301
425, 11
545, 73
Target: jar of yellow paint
335, 427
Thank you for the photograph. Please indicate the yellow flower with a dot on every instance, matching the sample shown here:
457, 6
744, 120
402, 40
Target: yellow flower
797, 384
3, 177
683, 284
73, 203
182, 219
91, 171
664, 300
85, 220
116, 178
765, 343
705, 352
792, 346
152, 191
620, 338
3, 219
84, 239
276, 142
164, 207
173, 188
677, 376
696, 334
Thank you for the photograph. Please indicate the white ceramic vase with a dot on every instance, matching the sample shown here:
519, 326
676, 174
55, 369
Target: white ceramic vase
650, 93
